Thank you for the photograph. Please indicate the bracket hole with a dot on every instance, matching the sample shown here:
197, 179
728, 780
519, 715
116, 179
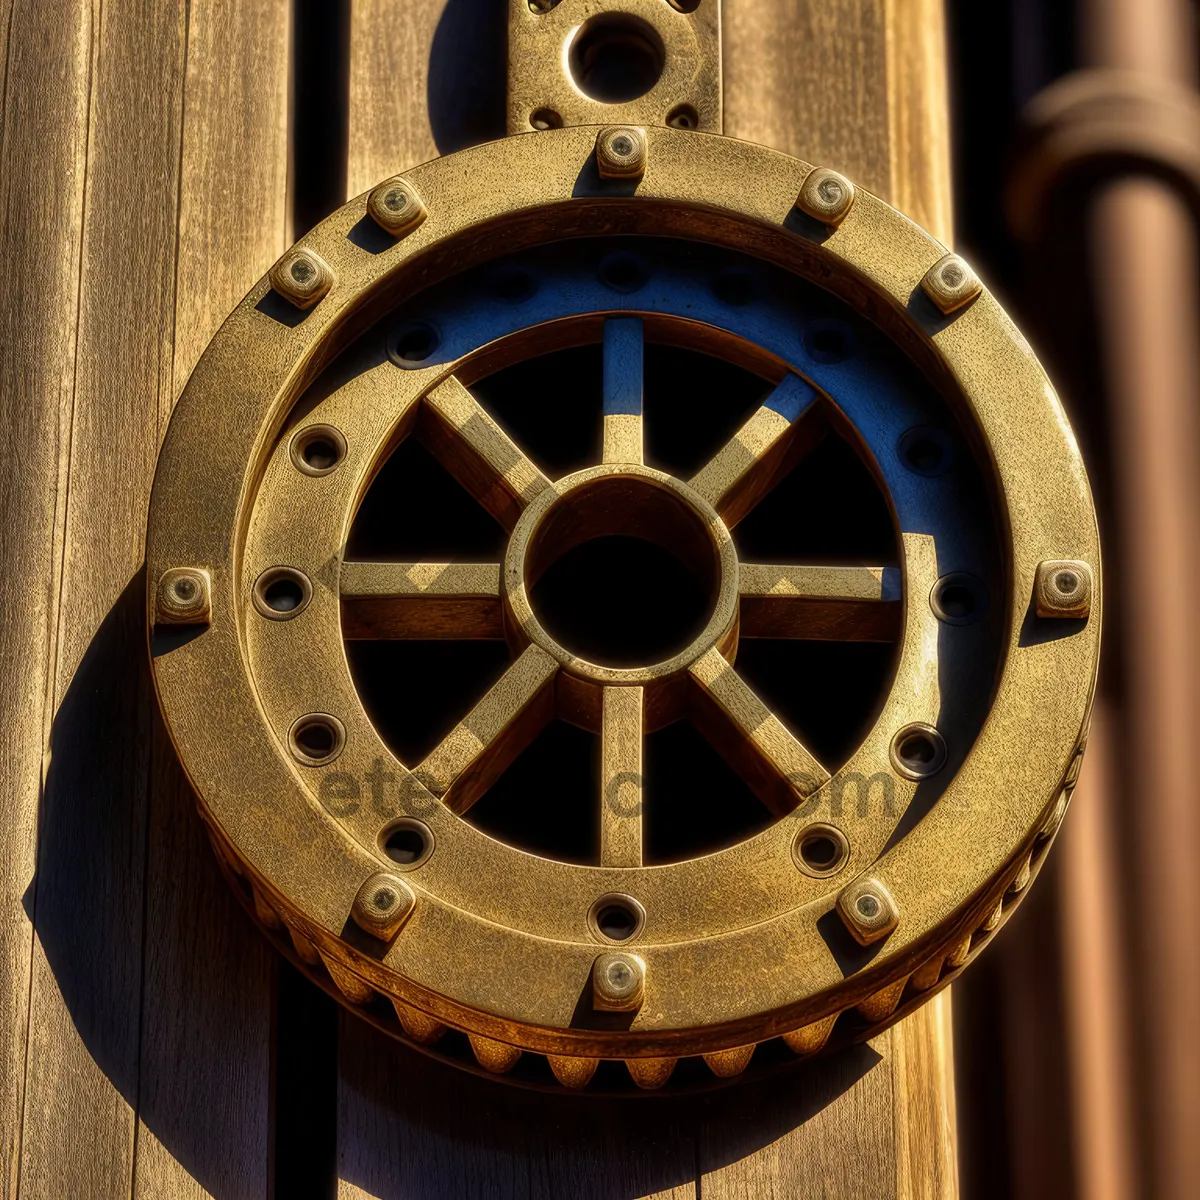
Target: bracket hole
918, 751
282, 593
616, 57
683, 116
545, 118
316, 739
617, 918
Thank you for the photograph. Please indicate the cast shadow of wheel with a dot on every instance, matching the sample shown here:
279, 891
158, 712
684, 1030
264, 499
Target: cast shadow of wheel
167, 984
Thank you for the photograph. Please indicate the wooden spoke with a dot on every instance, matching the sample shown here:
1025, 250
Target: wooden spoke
475, 752
623, 390
478, 453
852, 604
778, 434
421, 600
750, 737
621, 777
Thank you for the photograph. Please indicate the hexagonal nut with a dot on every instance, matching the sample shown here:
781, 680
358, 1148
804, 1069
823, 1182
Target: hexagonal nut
301, 276
826, 196
618, 982
383, 904
1063, 588
396, 206
183, 597
950, 283
868, 910
621, 152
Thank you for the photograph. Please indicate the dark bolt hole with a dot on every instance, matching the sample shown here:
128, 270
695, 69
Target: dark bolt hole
545, 118
320, 454
514, 285
616, 58
925, 450
820, 851
735, 288
828, 341
918, 750
415, 343
283, 595
617, 922
404, 845
957, 601
384, 899
925, 454
683, 117
624, 271
316, 739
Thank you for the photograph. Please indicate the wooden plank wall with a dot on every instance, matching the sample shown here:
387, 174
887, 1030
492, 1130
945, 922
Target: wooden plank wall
858, 85
143, 188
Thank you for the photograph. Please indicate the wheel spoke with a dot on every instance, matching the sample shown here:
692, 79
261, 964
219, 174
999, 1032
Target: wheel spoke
778, 434
751, 738
621, 777
421, 600
475, 752
851, 604
478, 453
623, 352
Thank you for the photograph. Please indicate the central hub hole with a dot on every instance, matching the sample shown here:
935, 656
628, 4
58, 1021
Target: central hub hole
623, 573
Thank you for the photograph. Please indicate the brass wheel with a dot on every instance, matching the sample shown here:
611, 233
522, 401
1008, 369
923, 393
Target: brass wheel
879, 872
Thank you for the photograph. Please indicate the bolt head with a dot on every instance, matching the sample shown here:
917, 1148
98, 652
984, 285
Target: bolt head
618, 982
383, 904
868, 910
183, 597
951, 284
396, 207
621, 152
826, 196
302, 276
1063, 588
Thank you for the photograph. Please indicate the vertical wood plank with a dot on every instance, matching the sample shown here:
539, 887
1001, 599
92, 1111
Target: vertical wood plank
204, 1120
47, 63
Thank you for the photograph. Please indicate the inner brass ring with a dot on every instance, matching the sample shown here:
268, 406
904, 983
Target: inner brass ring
634, 501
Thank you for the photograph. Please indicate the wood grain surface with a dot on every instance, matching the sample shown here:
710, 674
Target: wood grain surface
860, 87
144, 178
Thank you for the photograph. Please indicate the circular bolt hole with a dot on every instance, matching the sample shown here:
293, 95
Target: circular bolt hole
829, 341
302, 270
958, 599
918, 751
615, 58
867, 906
624, 271
683, 116
735, 287
1066, 583
545, 118
617, 918
407, 842
282, 593
685, 6
412, 344
514, 285
316, 738
318, 449
820, 850
926, 450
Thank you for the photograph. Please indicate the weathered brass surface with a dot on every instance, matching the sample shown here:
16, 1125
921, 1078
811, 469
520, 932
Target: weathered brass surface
743, 945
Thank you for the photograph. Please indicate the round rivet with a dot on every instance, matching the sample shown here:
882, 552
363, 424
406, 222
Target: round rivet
618, 982
396, 207
868, 910
383, 904
621, 152
1063, 588
184, 597
826, 196
301, 276
950, 283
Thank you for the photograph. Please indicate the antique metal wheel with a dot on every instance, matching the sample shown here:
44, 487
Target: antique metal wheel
880, 870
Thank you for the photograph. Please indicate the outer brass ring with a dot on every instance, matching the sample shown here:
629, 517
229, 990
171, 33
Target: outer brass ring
706, 933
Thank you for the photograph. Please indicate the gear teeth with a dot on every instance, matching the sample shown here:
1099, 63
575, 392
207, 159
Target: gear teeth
881, 1005
808, 1039
304, 946
349, 985
263, 910
993, 918
419, 1026
573, 1072
1021, 879
725, 1064
650, 1073
924, 977
497, 1057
